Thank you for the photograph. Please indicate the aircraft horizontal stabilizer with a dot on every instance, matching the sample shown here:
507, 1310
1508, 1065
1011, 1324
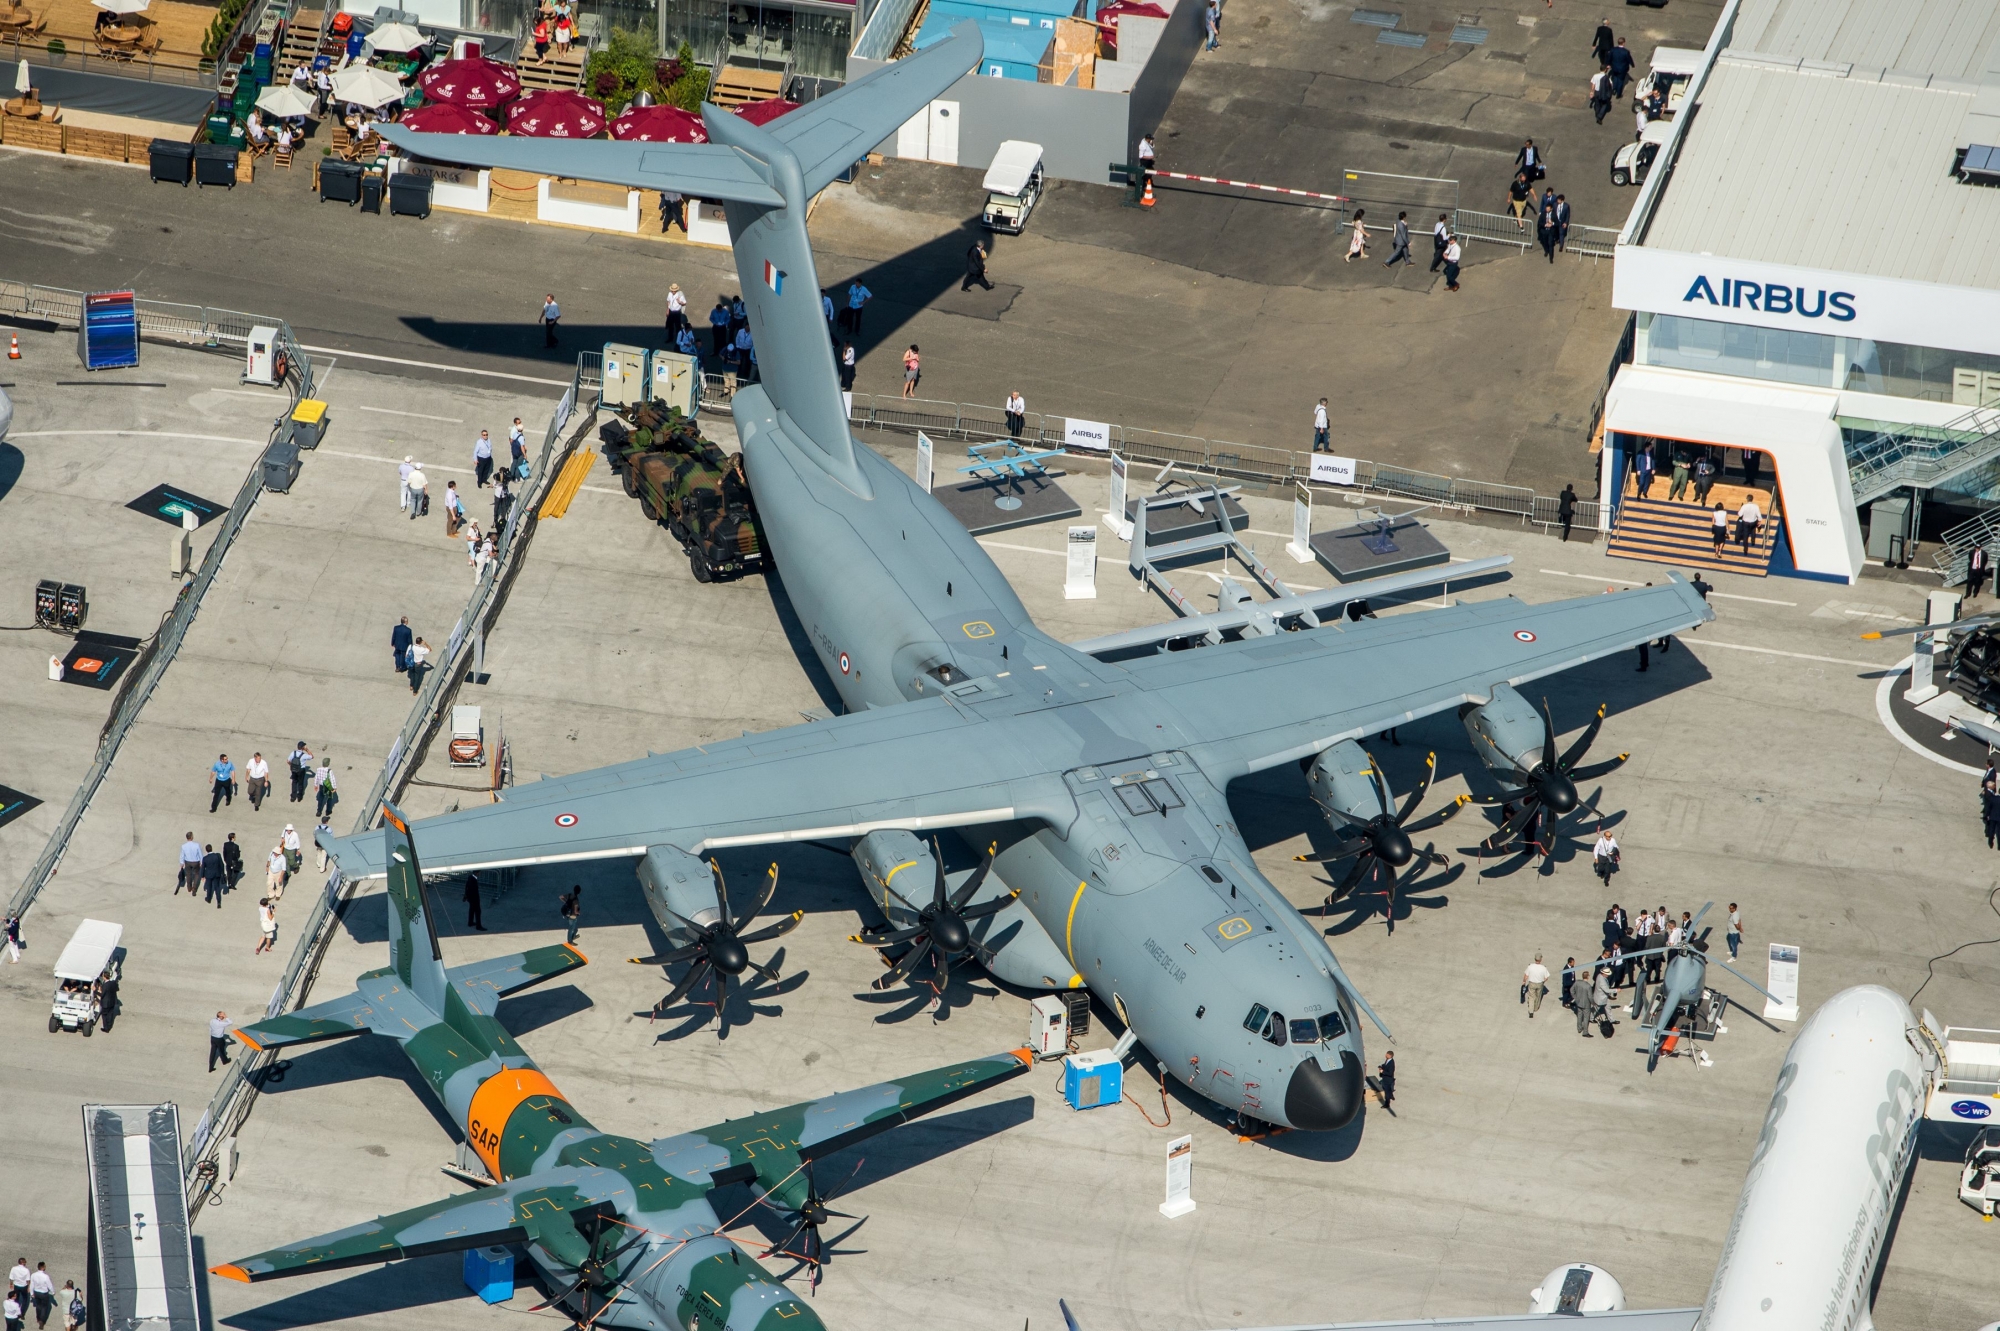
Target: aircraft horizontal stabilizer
350, 1014
484, 983
703, 170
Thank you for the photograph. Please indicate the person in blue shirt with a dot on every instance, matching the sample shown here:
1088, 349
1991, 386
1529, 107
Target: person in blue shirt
190, 875
857, 296
718, 325
551, 316
224, 790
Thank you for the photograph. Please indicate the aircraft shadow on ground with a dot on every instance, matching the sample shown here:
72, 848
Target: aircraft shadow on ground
416, 1283
801, 644
541, 1007
356, 1058
12, 463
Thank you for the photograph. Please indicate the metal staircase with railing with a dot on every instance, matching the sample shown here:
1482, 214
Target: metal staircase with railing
1923, 456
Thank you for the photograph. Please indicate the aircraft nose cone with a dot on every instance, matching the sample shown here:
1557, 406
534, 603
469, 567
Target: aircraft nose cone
949, 933
1559, 794
727, 955
1392, 844
1322, 1101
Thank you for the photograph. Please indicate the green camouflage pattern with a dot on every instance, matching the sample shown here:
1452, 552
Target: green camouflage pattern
625, 1225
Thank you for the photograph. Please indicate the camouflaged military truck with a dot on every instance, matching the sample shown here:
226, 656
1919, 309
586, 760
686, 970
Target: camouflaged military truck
688, 483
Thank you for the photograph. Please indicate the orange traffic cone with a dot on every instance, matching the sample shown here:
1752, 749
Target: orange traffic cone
13, 347
1146, 199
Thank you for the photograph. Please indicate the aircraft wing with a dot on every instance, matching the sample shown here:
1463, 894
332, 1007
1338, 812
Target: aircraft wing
705, 170
920, 765
830, 135
485, 983
503, 1213
1249, 705
771, 1146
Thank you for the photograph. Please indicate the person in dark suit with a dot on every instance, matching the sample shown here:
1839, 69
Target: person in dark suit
472, 915
1562, 223
1566, 507
1975, 572
214, 873
1385, 1080
399, 644
1601, 45
1529, 160
1619, 62
975, 268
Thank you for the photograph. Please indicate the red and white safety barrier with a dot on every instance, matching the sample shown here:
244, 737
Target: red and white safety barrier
1248, 184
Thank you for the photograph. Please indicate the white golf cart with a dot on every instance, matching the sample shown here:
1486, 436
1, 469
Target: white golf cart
1013, 184
87, 978
1672, 72
1631, 164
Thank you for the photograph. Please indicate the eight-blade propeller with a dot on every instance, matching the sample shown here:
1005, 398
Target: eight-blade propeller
722, 948
1385, 838
941, 926
1551, 785
813, 1213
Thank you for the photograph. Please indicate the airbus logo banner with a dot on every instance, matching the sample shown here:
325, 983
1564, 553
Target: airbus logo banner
1773, 298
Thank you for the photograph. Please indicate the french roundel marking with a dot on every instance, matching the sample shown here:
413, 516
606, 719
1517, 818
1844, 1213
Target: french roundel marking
565, 820
845, 664
1522, 635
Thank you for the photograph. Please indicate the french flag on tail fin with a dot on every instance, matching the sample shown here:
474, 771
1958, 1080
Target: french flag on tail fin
774, 278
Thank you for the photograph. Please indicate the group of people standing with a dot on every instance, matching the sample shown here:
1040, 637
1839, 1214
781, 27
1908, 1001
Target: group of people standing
1633, 955
1549, 209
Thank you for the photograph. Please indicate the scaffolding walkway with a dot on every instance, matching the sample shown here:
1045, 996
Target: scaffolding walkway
141, 1273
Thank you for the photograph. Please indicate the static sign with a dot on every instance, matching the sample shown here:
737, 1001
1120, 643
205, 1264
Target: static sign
1080, 579
168, 504
1806, 300
1092, 435
98, 659
1300, 546
1784, 983
926, 461
13, 804
1180, 1178
1330, 470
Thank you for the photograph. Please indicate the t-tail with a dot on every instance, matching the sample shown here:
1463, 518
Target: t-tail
765, 176
413, 944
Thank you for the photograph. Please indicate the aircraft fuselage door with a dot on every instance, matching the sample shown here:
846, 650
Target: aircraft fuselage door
944, 133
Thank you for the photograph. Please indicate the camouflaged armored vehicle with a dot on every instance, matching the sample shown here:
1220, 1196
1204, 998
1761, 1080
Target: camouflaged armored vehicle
688, 483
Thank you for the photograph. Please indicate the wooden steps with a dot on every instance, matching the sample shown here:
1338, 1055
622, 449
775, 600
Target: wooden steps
301, 44
734, 85
1660, 531
553, 72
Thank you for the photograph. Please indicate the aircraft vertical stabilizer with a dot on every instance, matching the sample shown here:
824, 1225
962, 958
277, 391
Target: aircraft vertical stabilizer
414, 955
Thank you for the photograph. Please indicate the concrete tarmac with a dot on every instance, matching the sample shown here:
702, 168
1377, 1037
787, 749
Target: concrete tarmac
1515, 1146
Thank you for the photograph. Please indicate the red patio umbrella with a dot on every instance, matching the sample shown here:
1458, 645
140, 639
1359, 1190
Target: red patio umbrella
1108, 15
764, 112
659, 124
440, 118
475, 83
556, 114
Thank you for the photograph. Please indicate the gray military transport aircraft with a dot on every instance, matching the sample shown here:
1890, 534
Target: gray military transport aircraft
1101, 786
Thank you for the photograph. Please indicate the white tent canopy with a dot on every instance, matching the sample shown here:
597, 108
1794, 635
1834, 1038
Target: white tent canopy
123, 6
395, 37
282, 99
364, 85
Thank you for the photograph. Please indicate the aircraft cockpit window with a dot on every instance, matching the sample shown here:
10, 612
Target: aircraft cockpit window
1304, 1030
1274, 1029
1255, 1021
1331, 1026
1155, 796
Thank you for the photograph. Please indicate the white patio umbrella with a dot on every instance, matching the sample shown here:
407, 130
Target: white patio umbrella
284, 99
123, 6
21, 79
395, 37
364, 85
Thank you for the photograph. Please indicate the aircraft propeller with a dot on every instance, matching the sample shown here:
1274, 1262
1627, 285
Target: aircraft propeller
1386, 838
595, 1270
941, 927
813, 1213
722, 949
1551, 785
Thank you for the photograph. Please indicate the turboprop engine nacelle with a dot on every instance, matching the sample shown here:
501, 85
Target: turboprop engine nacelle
1342, 783
675, 881
1577, 1287
1506, 731
899, 871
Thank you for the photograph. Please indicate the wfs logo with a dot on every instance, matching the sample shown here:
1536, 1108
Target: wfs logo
1774, 298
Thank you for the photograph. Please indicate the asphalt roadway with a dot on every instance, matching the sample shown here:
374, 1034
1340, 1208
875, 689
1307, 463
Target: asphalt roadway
1216, 316
1760, 774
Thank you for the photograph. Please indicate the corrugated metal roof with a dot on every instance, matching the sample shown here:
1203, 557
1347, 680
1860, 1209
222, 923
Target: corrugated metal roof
1947, 38
1851, 174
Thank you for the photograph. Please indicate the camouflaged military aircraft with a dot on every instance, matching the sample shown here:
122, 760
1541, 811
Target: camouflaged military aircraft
622, 1229
1099, 783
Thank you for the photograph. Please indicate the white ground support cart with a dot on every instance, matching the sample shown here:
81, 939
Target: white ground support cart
1013, 183
87, 977
1672, 72
1631, 164
1979, 1184
468, 737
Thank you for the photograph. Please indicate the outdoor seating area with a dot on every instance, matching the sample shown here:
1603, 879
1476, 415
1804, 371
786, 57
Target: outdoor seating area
167, 33
21, 24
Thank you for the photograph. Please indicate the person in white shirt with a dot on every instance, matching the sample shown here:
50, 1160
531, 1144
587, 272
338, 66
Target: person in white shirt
419, 500
267, 925
1536, 980
1320, 427
218, 1040
1604, 855
420, 652
43, 1291
326, 827
259, 774
325, 796
1452, 253
274, 871
409, 465
482, 460
473, 540
1748, 518
1734, 934
17, 1286
294, 857
284, 138
301, 76
482, 555
677, 303
13, 1309
1017, 414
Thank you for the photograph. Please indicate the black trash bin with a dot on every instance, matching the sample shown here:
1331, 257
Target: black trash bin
409, 195
339, 181
371, 192
171, 161
281, 464
215, 164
